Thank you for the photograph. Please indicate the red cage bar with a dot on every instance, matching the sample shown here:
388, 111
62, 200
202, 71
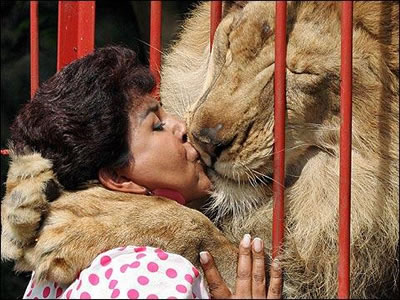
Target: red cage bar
34, 55
215, 18
76, 25
345, 149
155, 44
278, 225
34, 41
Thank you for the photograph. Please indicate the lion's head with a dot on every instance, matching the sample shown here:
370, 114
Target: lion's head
232, 122
231, 116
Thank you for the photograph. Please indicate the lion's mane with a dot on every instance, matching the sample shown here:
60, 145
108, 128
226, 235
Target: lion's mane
231, 92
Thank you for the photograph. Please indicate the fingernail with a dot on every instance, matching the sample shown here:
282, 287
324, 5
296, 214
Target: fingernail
257, 244
275, 264
246, 240
203, 257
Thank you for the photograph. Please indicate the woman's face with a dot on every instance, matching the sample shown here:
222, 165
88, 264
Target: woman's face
162, 157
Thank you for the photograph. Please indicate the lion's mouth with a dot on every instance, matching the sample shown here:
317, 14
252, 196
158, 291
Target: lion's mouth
247, 177
242, 175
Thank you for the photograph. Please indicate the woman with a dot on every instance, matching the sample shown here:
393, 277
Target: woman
96, 121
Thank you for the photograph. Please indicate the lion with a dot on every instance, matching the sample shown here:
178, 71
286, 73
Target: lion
226, 96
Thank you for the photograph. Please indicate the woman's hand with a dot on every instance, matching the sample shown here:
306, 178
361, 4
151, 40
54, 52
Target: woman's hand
250, 280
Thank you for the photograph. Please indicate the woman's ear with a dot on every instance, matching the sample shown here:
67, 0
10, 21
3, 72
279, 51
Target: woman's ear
116, 182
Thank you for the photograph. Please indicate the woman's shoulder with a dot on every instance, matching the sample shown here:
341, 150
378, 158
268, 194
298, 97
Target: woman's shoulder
130, 272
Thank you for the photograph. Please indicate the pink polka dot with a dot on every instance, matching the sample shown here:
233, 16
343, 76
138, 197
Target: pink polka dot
123, 268
108, 273
162, 255
143, 280
85, 295
135, 264
189, 278
68, 295
46, 292
94, 279
181, 288
115, 293
171, 273
152, 296
195, 271
105, 260
140, 255
29, 293
152, 267
133, 294
194, 296
140, 249
112, 284
59, 292
79, 284
36, 298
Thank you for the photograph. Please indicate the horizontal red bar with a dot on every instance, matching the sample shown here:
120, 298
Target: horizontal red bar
4, 152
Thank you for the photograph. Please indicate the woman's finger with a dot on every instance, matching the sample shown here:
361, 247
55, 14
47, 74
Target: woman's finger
258, 269
216, 284
243, 279
275, 283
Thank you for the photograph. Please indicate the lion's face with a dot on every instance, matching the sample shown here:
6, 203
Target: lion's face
232, 123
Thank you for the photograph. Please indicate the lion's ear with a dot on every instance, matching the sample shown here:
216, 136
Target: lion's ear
381, 20
232, 6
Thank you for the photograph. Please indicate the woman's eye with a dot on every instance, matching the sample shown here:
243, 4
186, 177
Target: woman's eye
159, 126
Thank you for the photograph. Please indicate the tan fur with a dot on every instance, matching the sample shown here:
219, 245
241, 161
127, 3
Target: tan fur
234, 87
24, 204
81, 225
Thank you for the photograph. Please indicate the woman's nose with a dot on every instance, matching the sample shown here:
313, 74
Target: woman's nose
181, 131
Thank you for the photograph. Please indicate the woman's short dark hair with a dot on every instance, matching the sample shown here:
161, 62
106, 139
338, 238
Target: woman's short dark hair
79, 118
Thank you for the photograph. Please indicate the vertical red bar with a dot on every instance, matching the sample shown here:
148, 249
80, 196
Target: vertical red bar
155, 44
76, 25
345, 150
278, 225
215, 18
34, 42
34, 35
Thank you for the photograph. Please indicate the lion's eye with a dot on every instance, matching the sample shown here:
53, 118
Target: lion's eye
266, 31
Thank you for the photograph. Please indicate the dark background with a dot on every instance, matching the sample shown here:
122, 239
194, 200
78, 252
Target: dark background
117, 22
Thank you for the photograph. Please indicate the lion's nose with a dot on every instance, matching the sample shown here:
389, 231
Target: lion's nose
209, 135
207, 139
